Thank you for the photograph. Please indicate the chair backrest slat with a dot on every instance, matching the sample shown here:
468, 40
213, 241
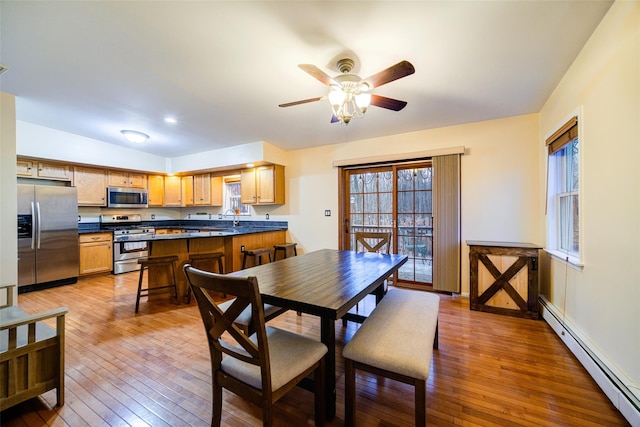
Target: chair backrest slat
374, 241
219, 324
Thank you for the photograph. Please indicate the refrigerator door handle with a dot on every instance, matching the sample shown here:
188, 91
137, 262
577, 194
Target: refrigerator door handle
33, 226
38, 220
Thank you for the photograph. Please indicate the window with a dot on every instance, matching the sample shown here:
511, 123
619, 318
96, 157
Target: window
232, 196
563, 216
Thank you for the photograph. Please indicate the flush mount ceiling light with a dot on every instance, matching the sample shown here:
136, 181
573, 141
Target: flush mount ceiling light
135, 136
349, 94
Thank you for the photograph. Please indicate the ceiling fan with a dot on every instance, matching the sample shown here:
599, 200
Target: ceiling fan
350, 95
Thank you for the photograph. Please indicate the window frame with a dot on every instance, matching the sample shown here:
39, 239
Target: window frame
560, 186
245, 210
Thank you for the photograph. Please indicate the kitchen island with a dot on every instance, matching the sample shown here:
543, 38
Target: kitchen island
183, 238
229, 242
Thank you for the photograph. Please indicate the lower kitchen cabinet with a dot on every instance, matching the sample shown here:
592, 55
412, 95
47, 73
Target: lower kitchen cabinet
96, 253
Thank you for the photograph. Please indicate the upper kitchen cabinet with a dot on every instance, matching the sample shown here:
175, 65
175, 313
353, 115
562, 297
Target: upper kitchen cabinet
30, 169
92, 186
127, 179
263, 185
172, 191
216, 191
202, 190
187, 191
156, 190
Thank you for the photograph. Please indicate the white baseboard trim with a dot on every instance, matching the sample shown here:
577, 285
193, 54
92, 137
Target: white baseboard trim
620, 395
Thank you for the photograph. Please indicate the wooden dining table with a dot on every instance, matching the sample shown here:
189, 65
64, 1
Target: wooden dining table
326, 283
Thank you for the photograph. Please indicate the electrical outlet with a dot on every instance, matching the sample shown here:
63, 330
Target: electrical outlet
327, 212
267, 216
219, 216
153, 216
242, 249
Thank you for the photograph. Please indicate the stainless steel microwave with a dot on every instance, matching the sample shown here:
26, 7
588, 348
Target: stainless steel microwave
118, 197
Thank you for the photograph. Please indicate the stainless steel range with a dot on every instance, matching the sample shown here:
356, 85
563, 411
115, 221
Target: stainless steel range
129, 240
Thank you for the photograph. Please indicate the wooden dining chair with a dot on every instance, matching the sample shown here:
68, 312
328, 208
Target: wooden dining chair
372, 241
260, 368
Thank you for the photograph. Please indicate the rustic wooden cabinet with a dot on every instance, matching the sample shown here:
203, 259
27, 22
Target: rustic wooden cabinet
92, 186
263, 185
172, 191
127, 179
504, 278
96, 253
156, 190
44, 170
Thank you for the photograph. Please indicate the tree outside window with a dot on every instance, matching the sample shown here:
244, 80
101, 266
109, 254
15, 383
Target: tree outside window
232, 197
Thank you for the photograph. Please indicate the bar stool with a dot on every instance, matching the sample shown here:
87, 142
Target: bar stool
205, 258
257, 255
159, 261
287, 249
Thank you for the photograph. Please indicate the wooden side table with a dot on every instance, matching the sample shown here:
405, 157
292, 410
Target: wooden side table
504, 278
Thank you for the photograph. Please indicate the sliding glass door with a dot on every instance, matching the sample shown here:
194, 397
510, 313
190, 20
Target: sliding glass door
396, 199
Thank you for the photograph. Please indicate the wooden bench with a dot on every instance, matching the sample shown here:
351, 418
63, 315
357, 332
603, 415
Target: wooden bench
31, 352
396, 341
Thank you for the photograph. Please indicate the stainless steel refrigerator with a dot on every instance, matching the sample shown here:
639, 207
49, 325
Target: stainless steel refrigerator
48, 252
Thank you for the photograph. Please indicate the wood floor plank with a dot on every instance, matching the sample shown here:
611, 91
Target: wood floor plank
153, 369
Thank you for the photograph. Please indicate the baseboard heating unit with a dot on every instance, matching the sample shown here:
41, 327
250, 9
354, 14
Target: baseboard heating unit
620, 395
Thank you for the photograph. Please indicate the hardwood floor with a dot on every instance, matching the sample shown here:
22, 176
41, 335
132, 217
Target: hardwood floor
153, 369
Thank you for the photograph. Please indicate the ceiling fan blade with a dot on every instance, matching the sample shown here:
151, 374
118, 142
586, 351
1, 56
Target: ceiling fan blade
388, 103
304, 101
395, 72
317, 73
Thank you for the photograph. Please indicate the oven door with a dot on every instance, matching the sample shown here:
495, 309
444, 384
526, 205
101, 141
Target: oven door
127, 254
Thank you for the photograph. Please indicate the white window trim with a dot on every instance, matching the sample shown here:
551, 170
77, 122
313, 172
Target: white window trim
571, 260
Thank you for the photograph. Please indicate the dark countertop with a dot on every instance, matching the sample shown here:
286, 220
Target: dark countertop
213, 229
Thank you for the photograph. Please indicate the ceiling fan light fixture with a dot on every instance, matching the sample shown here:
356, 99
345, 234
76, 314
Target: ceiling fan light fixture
363, 100
134, 136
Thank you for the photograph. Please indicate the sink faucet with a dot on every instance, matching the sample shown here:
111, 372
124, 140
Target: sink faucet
235, 216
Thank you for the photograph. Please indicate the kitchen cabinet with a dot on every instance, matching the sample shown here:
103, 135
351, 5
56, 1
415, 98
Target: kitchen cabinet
187, 190
156, 190
92, 186
127, 179
202, 190
263, 185
172, 191
96, 253
504, 278
216, 191
31, 169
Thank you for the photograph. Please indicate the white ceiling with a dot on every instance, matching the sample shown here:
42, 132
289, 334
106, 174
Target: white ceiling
221, 68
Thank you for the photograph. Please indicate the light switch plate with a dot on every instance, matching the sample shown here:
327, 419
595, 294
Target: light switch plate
327, 212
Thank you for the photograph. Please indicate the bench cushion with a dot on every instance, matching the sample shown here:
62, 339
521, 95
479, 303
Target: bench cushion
398, 335
13, 313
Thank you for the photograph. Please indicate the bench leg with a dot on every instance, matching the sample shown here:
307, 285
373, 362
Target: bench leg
420, 403
349, 393
435, 338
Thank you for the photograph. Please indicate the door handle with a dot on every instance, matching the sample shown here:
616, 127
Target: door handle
33, 226
39, 222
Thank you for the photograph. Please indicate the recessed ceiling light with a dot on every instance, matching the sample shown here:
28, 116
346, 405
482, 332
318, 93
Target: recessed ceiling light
135, 136
171, 120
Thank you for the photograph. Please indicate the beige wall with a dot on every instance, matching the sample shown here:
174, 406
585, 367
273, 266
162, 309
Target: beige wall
499, 171
602, 300
8, 191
